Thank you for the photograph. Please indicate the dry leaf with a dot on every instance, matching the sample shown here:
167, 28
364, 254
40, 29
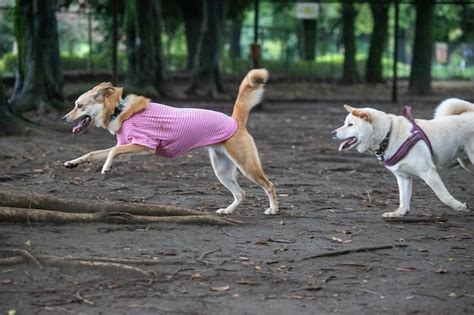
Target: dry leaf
248, 282
440, 270
220, 289
452, 295
5, 281
196, 276
258, 269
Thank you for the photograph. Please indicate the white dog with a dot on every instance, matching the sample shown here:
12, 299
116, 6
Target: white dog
412, 147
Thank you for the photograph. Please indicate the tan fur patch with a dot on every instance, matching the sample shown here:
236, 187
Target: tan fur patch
134, 104
361, 114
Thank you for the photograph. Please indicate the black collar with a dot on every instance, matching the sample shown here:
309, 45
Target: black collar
382, 147
118, 109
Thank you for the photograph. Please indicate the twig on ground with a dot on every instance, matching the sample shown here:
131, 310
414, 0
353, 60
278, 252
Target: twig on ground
354, 250
82, 298
201, 258
416, 219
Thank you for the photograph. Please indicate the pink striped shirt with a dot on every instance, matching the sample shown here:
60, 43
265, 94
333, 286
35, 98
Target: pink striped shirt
174, 131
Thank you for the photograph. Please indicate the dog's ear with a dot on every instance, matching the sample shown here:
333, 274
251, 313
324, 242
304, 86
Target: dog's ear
102, 91
348, 108
361, 114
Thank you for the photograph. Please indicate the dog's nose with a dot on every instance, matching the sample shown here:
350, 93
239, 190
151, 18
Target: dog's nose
64, 119
334, 134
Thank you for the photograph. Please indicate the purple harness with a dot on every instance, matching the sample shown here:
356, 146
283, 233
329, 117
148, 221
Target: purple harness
417, 134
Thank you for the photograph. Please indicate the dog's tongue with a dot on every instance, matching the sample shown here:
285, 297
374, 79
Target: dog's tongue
343, 144
82, 124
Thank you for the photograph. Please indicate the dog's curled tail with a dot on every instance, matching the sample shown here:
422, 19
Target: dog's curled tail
453, 106
250, 94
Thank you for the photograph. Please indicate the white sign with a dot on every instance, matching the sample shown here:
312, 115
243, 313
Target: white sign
307, 10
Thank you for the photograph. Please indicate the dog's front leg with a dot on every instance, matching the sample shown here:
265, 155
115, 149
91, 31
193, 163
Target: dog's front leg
433, 180
89, 157
122, 149
405, 185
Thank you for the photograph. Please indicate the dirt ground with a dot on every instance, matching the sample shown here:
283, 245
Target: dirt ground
329, 202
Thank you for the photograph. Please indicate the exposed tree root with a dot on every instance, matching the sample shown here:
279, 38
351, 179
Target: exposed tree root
34, 215
355, 250
21, 256
36, 201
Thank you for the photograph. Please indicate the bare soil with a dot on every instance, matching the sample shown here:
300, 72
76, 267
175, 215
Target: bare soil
329, 202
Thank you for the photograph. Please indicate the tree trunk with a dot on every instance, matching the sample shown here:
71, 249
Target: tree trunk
39, 79
374, 67
10, 124
420, 75
191, 11
144, 48
308, 44
349, 74
402, 47
205, 76
467, 23
235, 33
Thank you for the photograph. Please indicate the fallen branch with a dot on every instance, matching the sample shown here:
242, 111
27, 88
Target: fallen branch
355, 250
416, 219
36, 201
34, 215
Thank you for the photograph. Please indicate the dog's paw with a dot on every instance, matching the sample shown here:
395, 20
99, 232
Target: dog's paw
224, 211
461, 207
105, 171
394, 214
70, 164
271, 211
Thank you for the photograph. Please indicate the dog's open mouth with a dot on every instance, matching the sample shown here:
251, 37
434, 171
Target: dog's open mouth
83, 124
348, 143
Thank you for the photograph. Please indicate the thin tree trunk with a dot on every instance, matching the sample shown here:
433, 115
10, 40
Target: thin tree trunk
402, 47
349, 13
374, 67
39, 79
205, 78
144, 48
420, 75
308, 34
192, 17
9, 123
235, 34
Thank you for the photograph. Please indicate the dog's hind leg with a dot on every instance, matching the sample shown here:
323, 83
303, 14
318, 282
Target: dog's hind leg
469, 149
226, 171
431, 177
122, 149
405, 188
242, 150
89, 157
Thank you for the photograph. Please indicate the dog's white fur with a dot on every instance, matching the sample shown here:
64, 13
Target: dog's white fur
238, 152
451, 133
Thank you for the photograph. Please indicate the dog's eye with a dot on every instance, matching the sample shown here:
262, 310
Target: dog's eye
79, 105
350, 125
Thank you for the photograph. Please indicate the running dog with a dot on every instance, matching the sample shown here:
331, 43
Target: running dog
410, 147
145, 127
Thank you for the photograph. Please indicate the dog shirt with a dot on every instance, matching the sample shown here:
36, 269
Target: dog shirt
172, 131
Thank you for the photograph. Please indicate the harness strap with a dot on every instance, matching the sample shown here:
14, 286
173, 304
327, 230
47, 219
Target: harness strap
417, 134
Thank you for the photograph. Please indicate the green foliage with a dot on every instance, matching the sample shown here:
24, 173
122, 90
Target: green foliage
8, 63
